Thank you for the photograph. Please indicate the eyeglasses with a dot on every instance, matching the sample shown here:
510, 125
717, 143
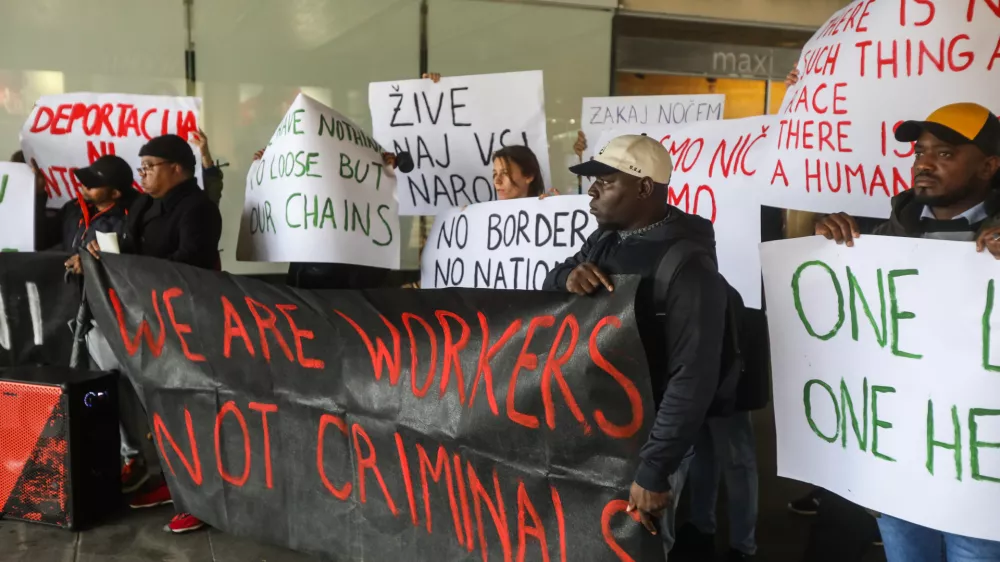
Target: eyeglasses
147, 168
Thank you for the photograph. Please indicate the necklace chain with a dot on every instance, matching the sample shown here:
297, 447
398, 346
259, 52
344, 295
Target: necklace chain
623, 234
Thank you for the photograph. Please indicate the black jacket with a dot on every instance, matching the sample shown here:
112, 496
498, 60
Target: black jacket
66, 230
331, 276
185, 227
683, 345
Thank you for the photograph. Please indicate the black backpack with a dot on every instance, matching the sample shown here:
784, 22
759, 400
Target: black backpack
745, 369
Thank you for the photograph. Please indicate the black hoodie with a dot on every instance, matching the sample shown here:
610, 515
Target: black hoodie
683, 346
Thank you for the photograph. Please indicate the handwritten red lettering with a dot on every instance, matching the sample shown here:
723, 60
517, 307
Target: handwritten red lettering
234, 327
193, 467
435, 472
553, 370
536, 530
144, 332
264, 410
631, 390
377, 351
268, 323
613, 508
230, 407
421, 391
179, 329
450, 361
368, 462
404, 467
343, 492
483, 369
528, 361
497, 511
299, 335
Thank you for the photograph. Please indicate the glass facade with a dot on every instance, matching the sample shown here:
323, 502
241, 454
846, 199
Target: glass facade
254, 56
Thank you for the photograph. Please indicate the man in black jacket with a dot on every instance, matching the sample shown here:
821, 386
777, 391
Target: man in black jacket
106, 193
684, 339
174, 220
955, 197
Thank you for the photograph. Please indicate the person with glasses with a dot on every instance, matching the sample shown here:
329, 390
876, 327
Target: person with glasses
173, 219
176, 221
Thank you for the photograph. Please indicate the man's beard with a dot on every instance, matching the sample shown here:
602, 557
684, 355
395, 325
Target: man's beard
945, 199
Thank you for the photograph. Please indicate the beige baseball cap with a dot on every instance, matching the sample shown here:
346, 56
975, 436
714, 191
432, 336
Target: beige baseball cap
635, 155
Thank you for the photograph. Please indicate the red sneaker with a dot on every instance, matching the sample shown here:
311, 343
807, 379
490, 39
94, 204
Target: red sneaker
183, 523
134, 475
159, 495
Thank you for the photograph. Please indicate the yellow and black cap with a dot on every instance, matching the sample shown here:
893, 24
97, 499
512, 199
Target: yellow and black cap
958, 124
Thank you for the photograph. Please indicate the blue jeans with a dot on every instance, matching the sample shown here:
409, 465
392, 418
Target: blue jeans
909, 542
668, 521
726, 449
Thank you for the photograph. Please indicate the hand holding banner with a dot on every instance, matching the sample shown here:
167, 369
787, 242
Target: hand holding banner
320, 193
452, 128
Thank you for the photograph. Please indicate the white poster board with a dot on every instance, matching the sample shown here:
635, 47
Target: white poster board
638, 113
320, 193
715, 166
505, 244
69, 131
871, 67
880, 354
17, 208
452, 129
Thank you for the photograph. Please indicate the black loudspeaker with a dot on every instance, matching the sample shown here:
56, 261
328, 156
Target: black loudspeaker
60, 458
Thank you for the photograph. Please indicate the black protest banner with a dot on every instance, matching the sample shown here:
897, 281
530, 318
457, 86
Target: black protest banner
37, 304
450, 425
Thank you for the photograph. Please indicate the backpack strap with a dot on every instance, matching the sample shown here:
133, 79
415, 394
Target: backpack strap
679, 253
671, 263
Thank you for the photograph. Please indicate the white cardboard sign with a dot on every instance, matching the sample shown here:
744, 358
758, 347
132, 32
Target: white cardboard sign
17, 207
638, 113
452, 129
715, 166
871, 67
321, 193
505, 244
69, 131
886, 367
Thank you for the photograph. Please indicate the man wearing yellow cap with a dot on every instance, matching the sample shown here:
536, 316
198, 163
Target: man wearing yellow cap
955, 196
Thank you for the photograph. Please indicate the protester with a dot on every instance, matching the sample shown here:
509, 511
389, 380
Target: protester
683, 336
176, 221
516, 173
106, 193
954, 197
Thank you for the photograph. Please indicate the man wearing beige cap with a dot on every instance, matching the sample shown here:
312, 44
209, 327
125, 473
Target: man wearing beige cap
681, 309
